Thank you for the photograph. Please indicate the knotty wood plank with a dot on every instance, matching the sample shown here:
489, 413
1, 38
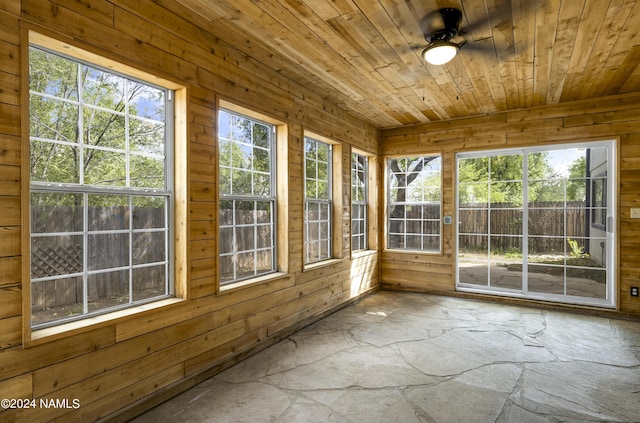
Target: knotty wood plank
17, 361
139, 389
69, 372
10, 152
11, 211
17, 387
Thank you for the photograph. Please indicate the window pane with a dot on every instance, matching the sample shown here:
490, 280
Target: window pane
103, 129
311, 189
149, 212
103, 89
245, 240
505, 168
108, 212
264, 235
149, 282
547, 222
146, 172
227, 265
56, 255
473, 195
56, 212
146, 137
149, 247
262, 185
264, 261
146, 101
261, 135
225, 215
53, 75
245, 212
507, 221
57, 299
245, 265
577, 190
505, 194
52, 162
323, 190
106, 251
107, 290
325, 210
261, 160
105, 168
53, 119
263, 212
475, 221
240, 129
473, 170
547, 193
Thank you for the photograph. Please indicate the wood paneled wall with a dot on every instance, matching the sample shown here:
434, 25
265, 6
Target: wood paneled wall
604, 119
115, 365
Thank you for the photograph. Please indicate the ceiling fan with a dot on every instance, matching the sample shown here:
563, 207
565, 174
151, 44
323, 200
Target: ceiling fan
441, 30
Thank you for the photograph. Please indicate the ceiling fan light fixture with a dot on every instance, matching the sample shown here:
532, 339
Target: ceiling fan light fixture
440, 52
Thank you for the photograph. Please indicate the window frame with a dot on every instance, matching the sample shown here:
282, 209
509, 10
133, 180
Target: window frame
390, 204
174, 193
319, 202
608, 235
270, 199
281, 190
362, 204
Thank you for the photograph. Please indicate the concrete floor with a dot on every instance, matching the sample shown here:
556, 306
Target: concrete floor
403, 357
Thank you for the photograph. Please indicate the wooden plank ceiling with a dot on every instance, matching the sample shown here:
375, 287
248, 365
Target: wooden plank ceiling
365, 55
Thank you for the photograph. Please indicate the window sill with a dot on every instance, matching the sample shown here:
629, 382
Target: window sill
413, 252
363, 253
40, 336
224, 289
323, 263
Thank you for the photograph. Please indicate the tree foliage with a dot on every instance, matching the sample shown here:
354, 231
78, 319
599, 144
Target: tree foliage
498, 179
93, 127
245, 150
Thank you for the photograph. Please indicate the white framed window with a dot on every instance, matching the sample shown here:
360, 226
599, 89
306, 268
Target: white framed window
536, 223
247, 212
318, 207
101, 188
359, 202
414, 203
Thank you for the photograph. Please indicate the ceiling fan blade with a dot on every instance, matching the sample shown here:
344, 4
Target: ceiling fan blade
481, 46
496, 16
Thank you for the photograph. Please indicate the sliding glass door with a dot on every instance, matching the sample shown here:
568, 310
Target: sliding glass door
536, 223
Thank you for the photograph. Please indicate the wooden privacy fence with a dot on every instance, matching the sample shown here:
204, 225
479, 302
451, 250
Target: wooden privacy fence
63, 254
548, 224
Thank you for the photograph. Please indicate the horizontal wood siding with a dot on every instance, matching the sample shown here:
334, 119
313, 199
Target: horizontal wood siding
603, 119
127, 362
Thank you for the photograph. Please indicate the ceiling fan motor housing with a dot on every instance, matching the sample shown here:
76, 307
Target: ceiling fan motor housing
451, 19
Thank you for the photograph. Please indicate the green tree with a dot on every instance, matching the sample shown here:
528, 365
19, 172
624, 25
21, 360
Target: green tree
498, 179
244, 156
76, 110
577, 185
404, 180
